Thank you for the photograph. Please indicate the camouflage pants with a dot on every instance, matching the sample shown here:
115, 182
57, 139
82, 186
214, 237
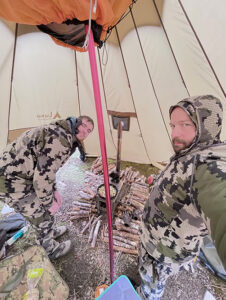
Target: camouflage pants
154, 275
38, 216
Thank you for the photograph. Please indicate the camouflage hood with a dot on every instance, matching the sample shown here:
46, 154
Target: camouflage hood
68, 125
206, 113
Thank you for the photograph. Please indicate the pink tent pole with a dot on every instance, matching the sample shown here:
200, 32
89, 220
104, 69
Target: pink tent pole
96, 89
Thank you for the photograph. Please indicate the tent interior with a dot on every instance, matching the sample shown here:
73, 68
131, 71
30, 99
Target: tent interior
161, 52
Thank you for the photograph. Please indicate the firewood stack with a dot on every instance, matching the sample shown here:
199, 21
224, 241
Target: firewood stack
128, 217
125, 175
128, 213
97, 167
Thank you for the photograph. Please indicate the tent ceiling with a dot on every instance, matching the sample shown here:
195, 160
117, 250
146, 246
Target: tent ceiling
158, 54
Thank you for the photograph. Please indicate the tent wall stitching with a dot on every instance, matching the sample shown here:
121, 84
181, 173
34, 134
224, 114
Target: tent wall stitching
123, 59
203, 50
174, 56
101, 72
149, 74
76, 70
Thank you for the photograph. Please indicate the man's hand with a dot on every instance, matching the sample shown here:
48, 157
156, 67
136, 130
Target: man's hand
57, 202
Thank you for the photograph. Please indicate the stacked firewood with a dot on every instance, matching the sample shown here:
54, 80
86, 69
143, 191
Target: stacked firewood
97, 167
125, 175
128, 213
131, 176
128, 217
123, 241
81, 209
93, 225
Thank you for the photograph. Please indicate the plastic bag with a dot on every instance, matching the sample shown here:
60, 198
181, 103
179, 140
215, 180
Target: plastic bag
12, 224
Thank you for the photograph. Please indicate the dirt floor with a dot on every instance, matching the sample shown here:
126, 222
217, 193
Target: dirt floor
85, 268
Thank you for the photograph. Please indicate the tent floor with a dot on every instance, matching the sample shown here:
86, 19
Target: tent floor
85, 268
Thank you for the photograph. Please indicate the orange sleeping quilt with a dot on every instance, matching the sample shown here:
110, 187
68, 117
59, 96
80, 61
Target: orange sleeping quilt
36, 12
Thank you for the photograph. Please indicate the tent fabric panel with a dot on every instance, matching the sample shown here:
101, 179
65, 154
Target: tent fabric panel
164, 73
129, 152
7, 33
116, 83
87, 105
119, 99
147, 110
193, 64
211, 32
132, 147
43, 84
159, 87
145, 15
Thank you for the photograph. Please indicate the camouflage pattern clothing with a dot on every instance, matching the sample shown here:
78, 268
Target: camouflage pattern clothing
187, 200
14, 281
28, 169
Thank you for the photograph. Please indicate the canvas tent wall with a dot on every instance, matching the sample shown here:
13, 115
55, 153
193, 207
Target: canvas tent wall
161, 52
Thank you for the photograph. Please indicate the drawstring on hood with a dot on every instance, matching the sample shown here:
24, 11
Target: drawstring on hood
206, 113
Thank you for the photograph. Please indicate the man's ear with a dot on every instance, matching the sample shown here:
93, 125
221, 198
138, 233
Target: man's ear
77, 124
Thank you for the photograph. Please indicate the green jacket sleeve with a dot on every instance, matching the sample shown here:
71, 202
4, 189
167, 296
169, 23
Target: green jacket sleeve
209, 195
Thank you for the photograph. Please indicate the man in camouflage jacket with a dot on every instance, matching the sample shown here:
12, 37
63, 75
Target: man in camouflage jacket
28, 169
188, 199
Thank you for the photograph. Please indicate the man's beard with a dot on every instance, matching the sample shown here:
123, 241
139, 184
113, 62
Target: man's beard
177, 148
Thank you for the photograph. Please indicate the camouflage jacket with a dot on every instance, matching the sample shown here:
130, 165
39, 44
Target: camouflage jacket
188, 199
29, 164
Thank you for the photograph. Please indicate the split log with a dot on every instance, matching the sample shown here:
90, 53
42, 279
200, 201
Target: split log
79, 208
132, 225
111, 168
79, 213
87, 225
142, 189
95, 234
123, 249
136, 204
129, 174
136, 222
127, 170
142, 195
127, 229
141, 184
81, 203
139, 194
124, 240
96, 163
78, 217
120, 244
92, 228
125, 234
90, 191
122, 173
99, 169
135, 175
91, 209
124, 207
141, 200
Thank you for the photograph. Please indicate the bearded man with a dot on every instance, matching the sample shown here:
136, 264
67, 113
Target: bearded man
188, 199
